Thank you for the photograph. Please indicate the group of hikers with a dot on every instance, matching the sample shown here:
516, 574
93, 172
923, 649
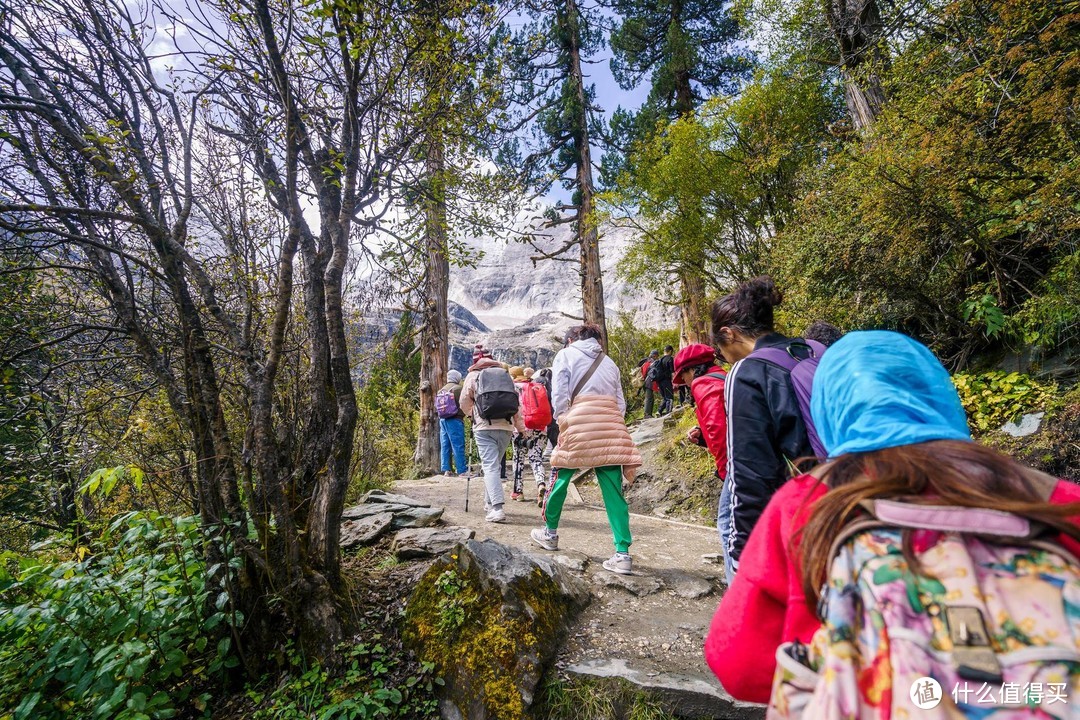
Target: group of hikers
880, 563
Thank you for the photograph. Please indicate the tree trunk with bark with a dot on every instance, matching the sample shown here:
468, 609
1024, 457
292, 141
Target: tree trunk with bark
434, 337
858, 29
592, 284
692, 310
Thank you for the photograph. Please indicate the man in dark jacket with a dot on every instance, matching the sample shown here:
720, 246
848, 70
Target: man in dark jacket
665, 369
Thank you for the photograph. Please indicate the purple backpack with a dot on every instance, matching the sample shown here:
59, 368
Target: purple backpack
802, 379
445, 404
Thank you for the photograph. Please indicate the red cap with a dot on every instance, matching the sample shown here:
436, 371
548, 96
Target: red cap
691, 355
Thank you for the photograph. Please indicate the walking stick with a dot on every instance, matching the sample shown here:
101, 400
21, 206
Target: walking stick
468, 461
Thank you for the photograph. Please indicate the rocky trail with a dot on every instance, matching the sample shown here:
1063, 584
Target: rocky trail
646, 628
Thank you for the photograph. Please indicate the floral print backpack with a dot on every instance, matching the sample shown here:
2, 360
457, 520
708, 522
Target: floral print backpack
989, 627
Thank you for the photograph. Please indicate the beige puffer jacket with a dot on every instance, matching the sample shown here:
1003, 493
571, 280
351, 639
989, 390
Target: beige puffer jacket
593, 434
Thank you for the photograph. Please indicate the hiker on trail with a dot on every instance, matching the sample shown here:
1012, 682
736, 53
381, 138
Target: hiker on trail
901, 600
529, 446
665, 369
451, 425
648, 372
588, 401
552, 438
767, 431
696, 370
825, 333
489, 395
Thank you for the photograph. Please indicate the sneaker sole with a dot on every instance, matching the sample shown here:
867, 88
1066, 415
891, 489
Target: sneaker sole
617, 571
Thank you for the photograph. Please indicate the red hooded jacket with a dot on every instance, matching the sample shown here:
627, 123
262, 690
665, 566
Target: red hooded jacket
765, 606
708, 395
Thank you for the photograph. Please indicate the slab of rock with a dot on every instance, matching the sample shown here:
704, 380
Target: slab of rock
685, 696
381, 496
640, 585
365, 530
689, 587
429, 542
362, 511
491, 618
571, 559
417, 517
647, 431
1028, 425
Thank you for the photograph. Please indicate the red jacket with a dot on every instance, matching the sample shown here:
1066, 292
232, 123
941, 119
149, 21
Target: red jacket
708, 395
765, 606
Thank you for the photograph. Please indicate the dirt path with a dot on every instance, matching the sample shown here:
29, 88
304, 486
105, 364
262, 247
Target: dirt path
652, 622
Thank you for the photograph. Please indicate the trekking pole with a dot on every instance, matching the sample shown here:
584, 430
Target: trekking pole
468, 462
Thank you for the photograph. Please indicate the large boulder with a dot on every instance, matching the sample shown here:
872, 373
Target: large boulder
491, 618
429, 542
365, 530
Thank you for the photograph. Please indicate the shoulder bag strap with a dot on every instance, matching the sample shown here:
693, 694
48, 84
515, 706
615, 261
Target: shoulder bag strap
585, 378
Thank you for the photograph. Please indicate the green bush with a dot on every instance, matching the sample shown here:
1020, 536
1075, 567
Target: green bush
628, 343
372, 685
994, 398
119, 631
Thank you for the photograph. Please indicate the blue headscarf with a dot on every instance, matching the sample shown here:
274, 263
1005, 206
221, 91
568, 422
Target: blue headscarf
878, 389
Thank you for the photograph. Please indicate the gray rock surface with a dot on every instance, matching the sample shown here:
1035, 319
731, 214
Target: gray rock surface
416, 517
639, 585
381, 496
362, 511
1028, 425
429, 542
365, 530
690, 587
687, 696
571, 560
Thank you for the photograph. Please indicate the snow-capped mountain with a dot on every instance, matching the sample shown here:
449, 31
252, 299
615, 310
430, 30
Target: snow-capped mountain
526, 308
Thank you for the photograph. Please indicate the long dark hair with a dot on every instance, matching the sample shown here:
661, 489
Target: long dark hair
946, 472
583, 332
749, 309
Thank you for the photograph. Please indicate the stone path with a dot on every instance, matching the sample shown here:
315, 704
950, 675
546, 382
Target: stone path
647, 628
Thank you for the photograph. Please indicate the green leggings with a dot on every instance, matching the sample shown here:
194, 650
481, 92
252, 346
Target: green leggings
609, 478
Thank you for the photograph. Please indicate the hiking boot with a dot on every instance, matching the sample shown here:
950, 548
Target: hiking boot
545, 538
619, 563
516, 496
541, 493
496, 516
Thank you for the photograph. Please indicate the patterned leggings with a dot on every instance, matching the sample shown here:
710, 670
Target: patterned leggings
529, 448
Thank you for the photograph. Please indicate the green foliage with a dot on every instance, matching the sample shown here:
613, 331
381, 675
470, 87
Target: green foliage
389, 417
628, 344
365, 689
121, 630
994, 398
573, 699
954, 218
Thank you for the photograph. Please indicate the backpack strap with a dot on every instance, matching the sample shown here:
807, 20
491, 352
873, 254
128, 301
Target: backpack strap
783, 357
715, 376
585, 378
949, 518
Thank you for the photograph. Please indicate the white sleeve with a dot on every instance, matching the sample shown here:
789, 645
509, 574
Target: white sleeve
560, 384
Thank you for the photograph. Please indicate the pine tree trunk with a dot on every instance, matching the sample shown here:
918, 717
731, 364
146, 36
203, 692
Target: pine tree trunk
694, 328
858, 29
434, 338
592, 284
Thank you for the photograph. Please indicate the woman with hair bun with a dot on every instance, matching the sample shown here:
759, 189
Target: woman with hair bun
766, 432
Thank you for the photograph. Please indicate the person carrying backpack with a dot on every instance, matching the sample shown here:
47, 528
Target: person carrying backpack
926, 575
648, 372
696, 369
451, 425
489, 395
529, 446
588, 401
664, 370
767, 428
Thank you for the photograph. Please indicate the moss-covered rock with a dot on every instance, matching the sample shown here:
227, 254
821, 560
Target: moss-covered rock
491, 618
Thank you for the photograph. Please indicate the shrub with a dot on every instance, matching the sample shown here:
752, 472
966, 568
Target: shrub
121, 630
994, 398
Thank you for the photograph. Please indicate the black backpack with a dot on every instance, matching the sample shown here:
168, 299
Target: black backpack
496, 395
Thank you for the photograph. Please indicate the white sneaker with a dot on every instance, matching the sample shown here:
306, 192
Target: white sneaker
496, 516
619, 563
545, 538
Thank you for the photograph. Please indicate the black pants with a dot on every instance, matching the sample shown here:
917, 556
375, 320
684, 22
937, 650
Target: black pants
667, 392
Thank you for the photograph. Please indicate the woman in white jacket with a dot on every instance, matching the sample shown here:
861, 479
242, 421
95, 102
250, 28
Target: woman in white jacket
587, 401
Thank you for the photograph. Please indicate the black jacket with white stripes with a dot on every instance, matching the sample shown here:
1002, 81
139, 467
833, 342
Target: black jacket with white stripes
765, 431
